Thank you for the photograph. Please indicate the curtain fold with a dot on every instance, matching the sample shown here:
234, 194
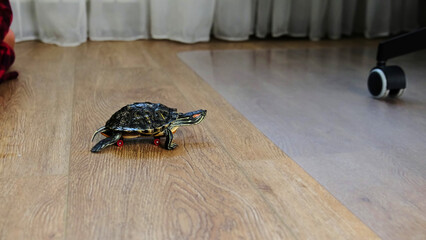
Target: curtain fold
233, 20
118, 20
24, 20
187, 21
64, 23
72, 22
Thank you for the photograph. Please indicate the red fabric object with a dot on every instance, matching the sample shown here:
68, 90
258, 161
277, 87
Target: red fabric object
7, 55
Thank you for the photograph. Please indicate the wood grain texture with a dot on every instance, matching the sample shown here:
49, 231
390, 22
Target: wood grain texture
36, 113
226, 180
35, 135
314, 104
33, 207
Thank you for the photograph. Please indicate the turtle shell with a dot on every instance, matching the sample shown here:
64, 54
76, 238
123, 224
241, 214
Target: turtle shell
147, 118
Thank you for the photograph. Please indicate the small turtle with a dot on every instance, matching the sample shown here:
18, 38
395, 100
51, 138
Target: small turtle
145, 119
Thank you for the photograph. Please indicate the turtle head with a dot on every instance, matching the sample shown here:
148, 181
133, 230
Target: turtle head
190, 118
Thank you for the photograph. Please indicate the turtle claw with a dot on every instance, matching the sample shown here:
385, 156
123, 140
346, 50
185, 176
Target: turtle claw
102, 129
172, 146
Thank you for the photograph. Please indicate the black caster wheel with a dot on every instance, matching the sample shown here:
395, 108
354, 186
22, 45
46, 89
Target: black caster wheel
386, 81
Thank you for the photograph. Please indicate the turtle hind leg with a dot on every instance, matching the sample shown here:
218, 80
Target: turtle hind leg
106, 142
102, 129
169, 140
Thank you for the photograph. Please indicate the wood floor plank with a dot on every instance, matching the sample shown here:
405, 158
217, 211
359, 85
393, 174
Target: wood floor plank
35, 134
36, 113
33, 207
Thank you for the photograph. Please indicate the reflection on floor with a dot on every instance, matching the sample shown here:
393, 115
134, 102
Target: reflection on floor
314, 104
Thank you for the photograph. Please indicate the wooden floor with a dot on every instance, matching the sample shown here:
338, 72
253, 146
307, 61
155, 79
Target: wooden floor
314, 104
226, 180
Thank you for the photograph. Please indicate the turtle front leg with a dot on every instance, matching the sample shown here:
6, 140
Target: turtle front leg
106, 142
169, 138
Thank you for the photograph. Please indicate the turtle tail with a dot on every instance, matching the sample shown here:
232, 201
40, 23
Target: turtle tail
102, 129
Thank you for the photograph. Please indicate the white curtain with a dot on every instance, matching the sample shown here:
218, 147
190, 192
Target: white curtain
72, 22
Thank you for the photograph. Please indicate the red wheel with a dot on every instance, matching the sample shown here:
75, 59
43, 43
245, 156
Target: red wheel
120, 143
157, 142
